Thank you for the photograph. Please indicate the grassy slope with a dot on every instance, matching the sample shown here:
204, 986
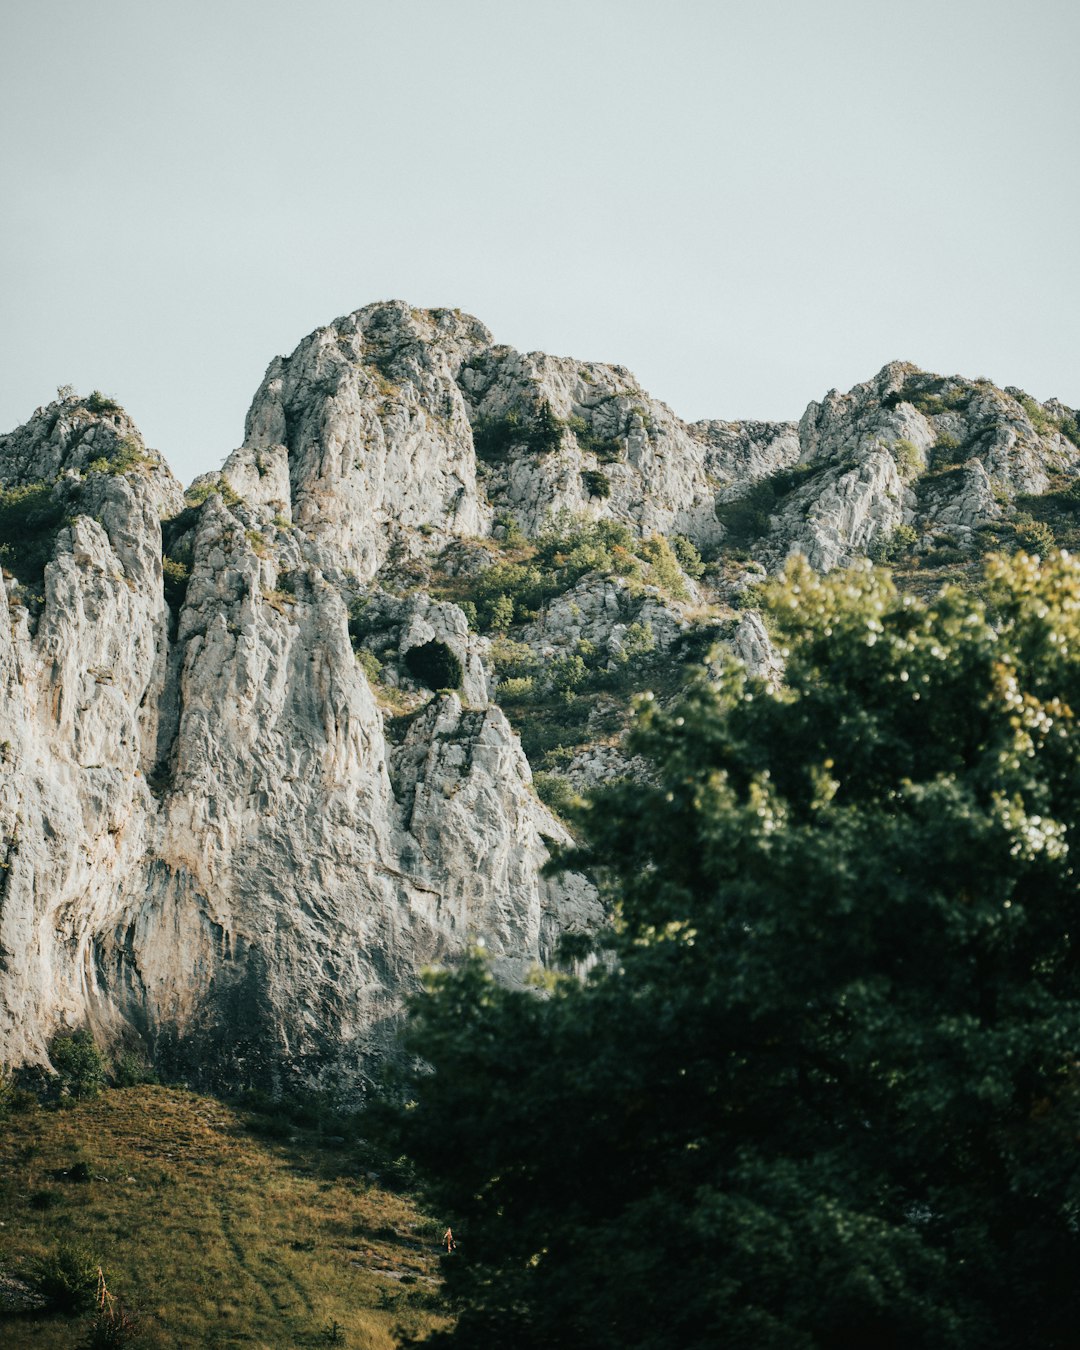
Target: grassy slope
216, 1237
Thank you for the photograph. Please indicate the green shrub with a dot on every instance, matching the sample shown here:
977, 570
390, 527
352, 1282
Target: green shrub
556, 793
501, 613
1033, 536
516, 689
195, 496
79, 1064
747, 517
664, 570
1038, 418
67, 1278
607, 449
596, 484
126, 455
30, 518
638, 641
946, 452
369, 663
175, 576
132, 1069
566, 673
513, 534
538, 432
689, 558
929, 395
101, 403
887, 548
909, 460
435, 665
1069, 427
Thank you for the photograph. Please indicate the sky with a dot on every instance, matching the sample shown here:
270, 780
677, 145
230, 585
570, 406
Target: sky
747, 204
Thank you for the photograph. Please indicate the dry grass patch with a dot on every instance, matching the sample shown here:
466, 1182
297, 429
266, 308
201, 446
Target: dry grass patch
216, 1237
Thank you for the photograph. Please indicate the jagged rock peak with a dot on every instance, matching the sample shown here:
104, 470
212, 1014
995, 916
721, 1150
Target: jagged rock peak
73, 437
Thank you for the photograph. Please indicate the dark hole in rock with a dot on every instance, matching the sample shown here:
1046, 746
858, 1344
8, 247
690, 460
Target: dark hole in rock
435, 665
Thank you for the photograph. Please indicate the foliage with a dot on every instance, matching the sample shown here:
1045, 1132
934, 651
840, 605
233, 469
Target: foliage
1039, 419
126, 455
195, 496
175, 576
1034, 536
536, 432
930, 395
435, 665
596, 483
823, 1093
947, 451
101, 403
664, 570
132, 1069
79, 1064
30, 517
894, 545
556, 793
369, 664
1069, 425
512, 533
607, 449
909, 460
746, 517
67, 1277
112, 1325
689, 558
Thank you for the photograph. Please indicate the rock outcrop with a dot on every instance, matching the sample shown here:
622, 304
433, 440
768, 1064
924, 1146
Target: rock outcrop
254, 771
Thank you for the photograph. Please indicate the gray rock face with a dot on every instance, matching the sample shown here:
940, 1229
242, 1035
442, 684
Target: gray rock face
237, 816
912, 449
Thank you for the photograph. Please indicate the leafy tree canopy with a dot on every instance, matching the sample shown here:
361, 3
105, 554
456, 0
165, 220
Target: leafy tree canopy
821, 1089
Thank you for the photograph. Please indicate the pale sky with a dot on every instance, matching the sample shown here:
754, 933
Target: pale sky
747, 204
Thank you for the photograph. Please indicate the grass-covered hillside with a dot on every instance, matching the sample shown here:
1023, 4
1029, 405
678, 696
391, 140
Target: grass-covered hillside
210, 1229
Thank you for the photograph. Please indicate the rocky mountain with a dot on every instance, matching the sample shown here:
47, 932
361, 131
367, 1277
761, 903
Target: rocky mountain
270, 746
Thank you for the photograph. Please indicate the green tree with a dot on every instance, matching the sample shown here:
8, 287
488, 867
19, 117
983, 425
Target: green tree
821, 1091
79, 1064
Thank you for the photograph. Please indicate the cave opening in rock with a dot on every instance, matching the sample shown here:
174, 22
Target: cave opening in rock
435, 665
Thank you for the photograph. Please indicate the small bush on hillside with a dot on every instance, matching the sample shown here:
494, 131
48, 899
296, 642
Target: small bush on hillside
946, 452
690, 559
101, 403
1039, 419
369, 663
126, 455
131, 1069
888, 548
517, 689
500, 613
79, 1064
67, 1278
596, 484
909, 460
747, 517
556, 793
664, 570
112, 1326
1033, 536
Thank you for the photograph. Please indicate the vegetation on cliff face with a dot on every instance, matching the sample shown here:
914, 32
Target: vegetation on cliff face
821, 1089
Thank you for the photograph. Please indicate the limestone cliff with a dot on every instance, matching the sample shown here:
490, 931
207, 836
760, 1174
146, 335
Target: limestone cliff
267, 749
